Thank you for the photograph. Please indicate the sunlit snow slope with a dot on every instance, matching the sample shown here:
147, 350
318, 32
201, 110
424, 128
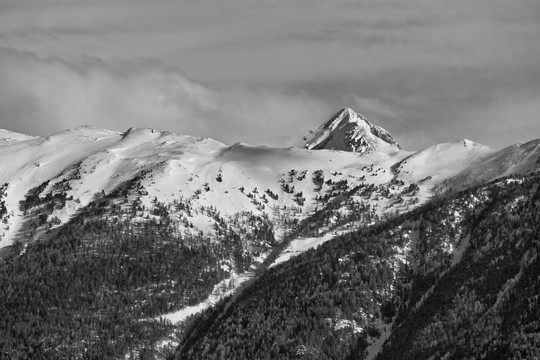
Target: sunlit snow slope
45, 181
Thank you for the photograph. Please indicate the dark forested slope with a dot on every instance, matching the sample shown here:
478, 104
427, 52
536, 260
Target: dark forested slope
457, 278
95, 288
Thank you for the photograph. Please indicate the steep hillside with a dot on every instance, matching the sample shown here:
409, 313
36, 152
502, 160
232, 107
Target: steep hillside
456, 278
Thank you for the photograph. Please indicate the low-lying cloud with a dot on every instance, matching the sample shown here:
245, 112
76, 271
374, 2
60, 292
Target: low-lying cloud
43, 95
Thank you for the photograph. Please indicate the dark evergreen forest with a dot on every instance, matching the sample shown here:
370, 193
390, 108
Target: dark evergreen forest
457, 278
96, 288
332, 302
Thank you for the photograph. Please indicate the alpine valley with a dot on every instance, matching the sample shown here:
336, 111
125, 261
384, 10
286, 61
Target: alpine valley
153, 245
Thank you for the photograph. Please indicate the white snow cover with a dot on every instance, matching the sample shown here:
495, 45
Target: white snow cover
442, 161
463, 163
172, 167
241, 177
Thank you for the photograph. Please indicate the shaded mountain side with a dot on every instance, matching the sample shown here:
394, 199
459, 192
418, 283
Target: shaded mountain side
486, 306
456, 277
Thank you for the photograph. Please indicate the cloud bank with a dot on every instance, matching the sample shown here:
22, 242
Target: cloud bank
42, 95
429, 71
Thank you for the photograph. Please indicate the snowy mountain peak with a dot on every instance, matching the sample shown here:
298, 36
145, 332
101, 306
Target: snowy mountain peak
349, 131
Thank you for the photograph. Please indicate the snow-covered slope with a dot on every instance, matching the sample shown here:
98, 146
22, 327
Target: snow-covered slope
45, 181
439, 162
27, 162
350, 131
79, 165
7, 136
463, 163
515, 159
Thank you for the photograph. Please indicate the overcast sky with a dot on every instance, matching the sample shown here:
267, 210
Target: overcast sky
429, 71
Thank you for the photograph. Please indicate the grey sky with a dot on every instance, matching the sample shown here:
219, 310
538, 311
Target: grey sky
257, 71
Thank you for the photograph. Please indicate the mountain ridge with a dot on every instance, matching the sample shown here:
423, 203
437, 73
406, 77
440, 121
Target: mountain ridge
162, 226
103, 160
